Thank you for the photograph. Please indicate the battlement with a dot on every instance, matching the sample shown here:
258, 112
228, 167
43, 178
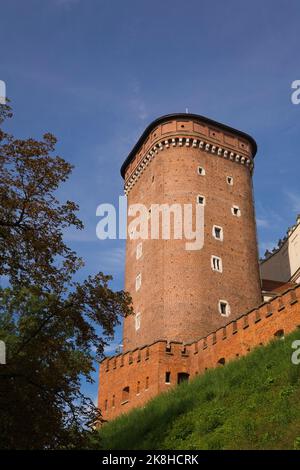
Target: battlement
129, 380
143, 354
282, 241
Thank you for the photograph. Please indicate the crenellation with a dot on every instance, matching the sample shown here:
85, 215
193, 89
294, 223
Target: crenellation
257, 316
224, 333
245, 322
198, 357
281, 304
268, 310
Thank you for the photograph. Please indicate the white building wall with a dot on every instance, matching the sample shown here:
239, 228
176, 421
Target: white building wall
284, 264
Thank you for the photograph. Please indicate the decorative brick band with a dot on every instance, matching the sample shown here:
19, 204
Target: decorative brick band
184, 142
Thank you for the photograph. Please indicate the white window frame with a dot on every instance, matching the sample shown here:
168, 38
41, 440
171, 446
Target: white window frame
201, 171
221, 233
204, 199
139, 250
214, 257
138, 281
238, 211
228, 311
137, 321
229, 180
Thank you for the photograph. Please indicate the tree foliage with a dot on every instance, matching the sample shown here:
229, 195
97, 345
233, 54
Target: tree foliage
49, 322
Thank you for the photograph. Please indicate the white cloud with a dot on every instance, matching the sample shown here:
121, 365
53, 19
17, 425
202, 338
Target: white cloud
262, 222
137, 102
79, 236
294, 200
267, 217
111, 348
113, 260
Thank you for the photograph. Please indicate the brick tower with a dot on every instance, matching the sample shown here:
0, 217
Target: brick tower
181, 295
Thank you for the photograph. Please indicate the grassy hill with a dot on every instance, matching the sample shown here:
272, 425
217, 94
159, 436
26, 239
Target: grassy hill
251, 403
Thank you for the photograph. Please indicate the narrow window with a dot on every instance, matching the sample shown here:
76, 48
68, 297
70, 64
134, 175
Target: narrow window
113, 401
147, 383
229, 180
221, 361
168, 377
138, 281
137, 319
139, 250
138, 388
125, 394
236, 211
201, 199
224, 308
218, 233
216, 264
105, 405
182, 377
201, 171
279, 334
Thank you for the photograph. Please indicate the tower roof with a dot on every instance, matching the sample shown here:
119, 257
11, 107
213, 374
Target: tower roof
197, 117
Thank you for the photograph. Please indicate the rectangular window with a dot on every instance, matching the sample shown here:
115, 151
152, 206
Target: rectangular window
125, 394
138, 281
216, 264
224, 308
201, 171
137, 321
218, 232
168, 377
236, 211
201, 199
229, 180
139, 250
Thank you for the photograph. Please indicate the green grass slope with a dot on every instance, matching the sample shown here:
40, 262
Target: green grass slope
251, 403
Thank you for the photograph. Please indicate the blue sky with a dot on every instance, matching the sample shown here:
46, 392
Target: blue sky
95, 73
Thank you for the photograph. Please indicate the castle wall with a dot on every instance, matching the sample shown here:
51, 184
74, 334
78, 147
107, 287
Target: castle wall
237, 338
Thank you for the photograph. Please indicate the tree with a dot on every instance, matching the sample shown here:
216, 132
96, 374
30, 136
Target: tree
49, 322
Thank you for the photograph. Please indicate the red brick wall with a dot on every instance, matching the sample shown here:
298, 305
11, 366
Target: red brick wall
237, 338
179, 295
